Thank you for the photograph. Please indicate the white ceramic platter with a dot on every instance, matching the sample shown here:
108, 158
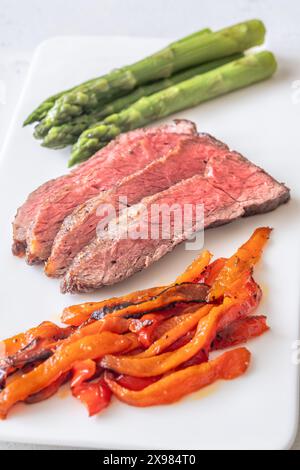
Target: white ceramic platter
259, 410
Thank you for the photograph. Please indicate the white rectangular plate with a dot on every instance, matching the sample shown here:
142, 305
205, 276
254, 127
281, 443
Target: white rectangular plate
259, 410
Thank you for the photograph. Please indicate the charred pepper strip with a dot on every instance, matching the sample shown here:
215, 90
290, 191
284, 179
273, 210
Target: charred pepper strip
170, 323
49, 391
90, 347
243, 302
157, 365
240, 331
187, 292
185, 324
196, 267
76, 314
148, 301
109, 323
211, 272
46, 330
35, 346
171, 388
243, 260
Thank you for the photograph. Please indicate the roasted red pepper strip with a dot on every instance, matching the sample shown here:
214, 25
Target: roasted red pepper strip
184, 324
240, 331
159, 364
41, 349
109, 323
146, 327
49, 391
192, 273
78, 314
83, 371
241, 304
187, 293
242, 261
172, 387
45, 331
95, 396
210, 273
90, 347
181, 341
199, 358
135, 383
180, 311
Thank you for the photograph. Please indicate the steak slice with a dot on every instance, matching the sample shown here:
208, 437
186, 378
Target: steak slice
26, 213
231, 187
187, 159
126, 154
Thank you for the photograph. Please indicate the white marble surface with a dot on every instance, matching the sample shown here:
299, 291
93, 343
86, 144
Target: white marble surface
25, 23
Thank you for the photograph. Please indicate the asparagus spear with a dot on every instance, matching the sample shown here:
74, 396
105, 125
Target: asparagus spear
229, 77
66, 134
41, 111
176, 57
77, 125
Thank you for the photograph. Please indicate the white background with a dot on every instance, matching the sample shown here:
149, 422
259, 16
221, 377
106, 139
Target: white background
25, 23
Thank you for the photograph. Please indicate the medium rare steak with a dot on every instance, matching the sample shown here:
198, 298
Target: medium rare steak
39, 219
230, 187
187, 159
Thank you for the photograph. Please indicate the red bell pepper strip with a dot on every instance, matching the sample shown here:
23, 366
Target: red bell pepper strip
135, 383
176, 385
210, 273
49, 391
46, 331
240, 331
195, 269
182, 325
83, 371
95, 396
242, 303
241, 262
89, 347
77, 314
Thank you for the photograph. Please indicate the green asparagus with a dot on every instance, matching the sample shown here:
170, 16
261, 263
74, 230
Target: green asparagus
67, 134
229, 77
41, 111
78, 124
176, 57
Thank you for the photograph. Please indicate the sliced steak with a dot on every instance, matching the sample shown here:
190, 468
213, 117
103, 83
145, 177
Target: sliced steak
40, 217
187, 159
230, 187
